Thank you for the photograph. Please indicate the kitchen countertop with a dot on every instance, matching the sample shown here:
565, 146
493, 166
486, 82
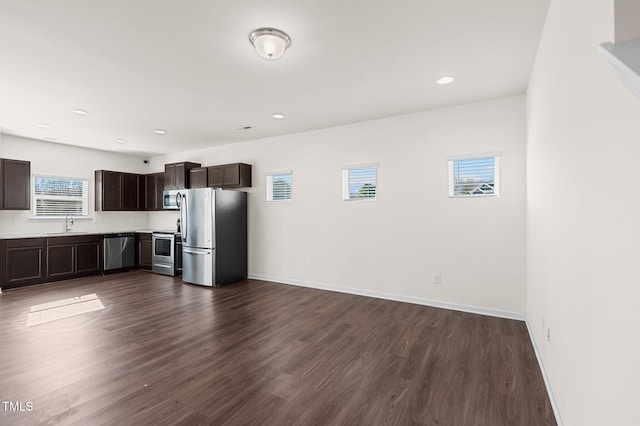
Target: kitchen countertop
72, 234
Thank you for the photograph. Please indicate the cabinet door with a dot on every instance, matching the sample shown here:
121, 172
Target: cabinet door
154, 186
131, 199
198, 177
231, 175
145, 251
88, 258
215, 176
61, 262
177, 256
23, 262
111, 190
16, 184
150, 193
159, 190
181, 176
170, 176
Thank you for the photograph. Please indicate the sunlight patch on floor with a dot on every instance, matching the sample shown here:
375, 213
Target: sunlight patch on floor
64, 308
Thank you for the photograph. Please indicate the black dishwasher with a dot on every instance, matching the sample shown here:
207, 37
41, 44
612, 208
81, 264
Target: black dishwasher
119, 251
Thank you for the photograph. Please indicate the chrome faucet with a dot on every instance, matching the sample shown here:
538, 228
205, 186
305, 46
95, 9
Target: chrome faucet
68, 220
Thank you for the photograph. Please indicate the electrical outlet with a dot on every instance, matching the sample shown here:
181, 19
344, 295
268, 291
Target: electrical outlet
437, 279
307, 263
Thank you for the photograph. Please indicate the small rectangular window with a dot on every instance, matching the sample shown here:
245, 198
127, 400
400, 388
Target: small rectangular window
279, 186
360, 183
60, 196
474, 177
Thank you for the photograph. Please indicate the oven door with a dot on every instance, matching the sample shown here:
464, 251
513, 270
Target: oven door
163, 246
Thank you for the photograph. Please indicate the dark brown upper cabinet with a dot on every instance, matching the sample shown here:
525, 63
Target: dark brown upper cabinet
237, 175
132, 191
119, 191
198, 177
15, 188
176, 175
108, 190
154, 185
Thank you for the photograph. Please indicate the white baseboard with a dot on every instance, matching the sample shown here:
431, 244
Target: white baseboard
547, 383
396, 297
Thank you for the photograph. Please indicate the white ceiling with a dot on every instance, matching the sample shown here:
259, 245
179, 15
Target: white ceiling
188, 68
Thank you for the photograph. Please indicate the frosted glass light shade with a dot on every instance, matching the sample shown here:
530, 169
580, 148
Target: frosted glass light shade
270, 43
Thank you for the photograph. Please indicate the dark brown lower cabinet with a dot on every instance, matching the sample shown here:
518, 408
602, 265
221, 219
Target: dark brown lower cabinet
89, 257
177, 256
145, 250
61, 262
27, 261
24, 262
72, 257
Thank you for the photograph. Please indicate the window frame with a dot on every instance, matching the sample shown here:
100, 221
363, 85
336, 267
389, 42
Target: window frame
86, 188
346, 181
269, 186
496, 175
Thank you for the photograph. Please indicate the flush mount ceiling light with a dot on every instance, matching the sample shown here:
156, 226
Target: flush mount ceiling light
270, 43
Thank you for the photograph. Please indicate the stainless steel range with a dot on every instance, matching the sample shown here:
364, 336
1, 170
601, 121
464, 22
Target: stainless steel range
163, 258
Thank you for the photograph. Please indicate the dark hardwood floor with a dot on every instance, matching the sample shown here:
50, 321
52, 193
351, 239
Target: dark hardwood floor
254, 352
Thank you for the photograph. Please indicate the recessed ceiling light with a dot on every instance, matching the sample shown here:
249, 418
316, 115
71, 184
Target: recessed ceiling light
80, 112
445, 80
44, 126
160, 132
120, 141
278, 116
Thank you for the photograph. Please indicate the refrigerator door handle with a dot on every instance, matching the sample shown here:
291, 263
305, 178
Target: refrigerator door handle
183, 216
192, 251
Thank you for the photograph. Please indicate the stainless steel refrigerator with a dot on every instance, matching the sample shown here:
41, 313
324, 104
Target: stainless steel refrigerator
214, 236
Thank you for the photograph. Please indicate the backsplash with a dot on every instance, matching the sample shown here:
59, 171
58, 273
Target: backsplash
22, 222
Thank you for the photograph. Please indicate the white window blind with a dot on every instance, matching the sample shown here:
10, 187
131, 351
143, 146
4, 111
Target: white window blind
59, 196
474, 177
279, 186
360, 183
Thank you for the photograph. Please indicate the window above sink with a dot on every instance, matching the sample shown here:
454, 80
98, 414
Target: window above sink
60, 197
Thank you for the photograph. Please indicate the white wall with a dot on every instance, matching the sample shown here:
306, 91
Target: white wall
583, 218
627, 19
394, 245
65, 160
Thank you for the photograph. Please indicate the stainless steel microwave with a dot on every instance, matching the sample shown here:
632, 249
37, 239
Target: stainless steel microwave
171, 199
